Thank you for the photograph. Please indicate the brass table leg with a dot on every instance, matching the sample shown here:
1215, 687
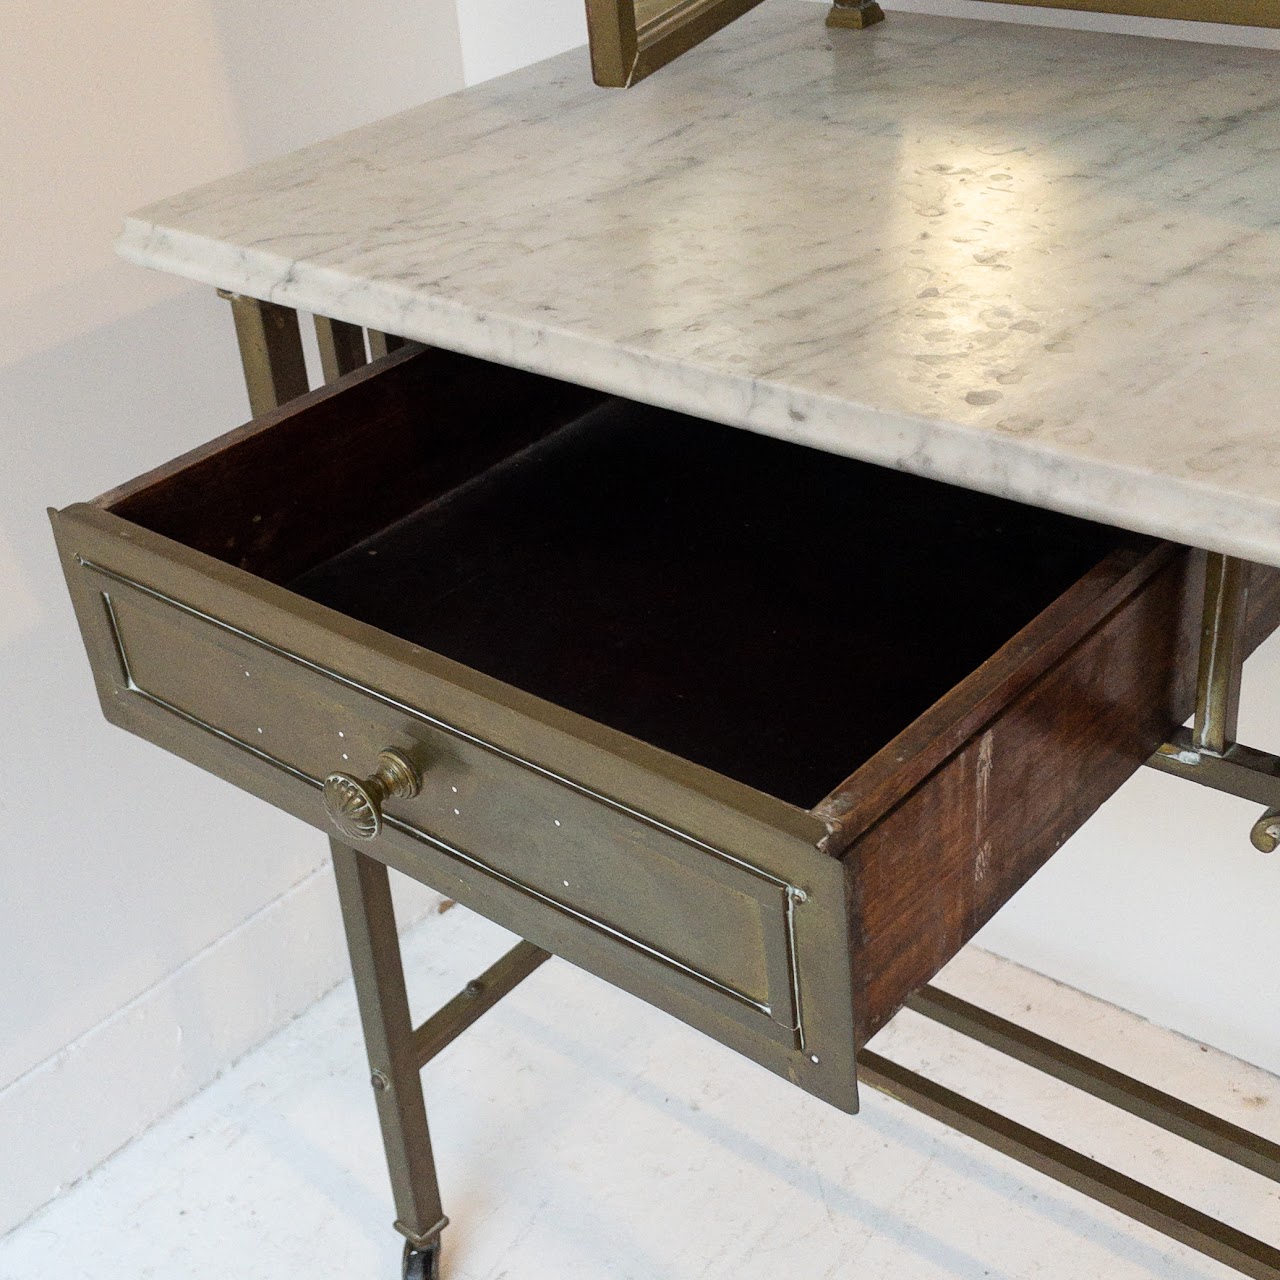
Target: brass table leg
398, 1050
368, 916
341, 347
1209, 753
270, 350
1226, 599
382, 344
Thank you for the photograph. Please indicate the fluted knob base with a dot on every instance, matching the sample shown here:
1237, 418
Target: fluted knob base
354, 805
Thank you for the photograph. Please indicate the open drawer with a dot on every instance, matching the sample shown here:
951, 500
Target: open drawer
758, 733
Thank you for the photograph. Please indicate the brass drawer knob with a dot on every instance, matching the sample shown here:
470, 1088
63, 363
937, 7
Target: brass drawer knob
355, 805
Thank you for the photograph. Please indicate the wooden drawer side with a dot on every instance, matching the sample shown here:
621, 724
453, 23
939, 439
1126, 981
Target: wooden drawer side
956, 847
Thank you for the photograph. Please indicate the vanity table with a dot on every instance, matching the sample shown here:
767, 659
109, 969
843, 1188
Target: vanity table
749, 524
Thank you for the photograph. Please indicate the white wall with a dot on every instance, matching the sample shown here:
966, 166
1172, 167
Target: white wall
498, 36
153, 923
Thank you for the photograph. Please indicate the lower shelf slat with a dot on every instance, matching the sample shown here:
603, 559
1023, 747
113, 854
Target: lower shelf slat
1114, 1087
1162, 1213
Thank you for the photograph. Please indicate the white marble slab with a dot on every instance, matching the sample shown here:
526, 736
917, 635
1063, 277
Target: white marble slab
1036, 262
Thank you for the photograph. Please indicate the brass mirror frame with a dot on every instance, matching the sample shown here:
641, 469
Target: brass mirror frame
626, 46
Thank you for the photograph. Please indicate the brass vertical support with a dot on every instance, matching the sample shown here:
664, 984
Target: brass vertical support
270, 350
364, 890
341, 347
854, 14
1226, 591
382, 344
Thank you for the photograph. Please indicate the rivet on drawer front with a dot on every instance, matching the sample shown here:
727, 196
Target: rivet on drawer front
355, 805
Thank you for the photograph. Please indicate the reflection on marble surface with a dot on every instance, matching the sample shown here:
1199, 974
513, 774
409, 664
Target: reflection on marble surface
1037, 262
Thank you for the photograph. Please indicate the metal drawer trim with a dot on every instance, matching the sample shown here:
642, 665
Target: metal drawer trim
444, 726
792, 894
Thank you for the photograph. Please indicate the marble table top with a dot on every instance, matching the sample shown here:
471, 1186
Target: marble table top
1036, 262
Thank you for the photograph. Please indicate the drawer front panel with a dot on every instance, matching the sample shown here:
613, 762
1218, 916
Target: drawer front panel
750, 953
592, 861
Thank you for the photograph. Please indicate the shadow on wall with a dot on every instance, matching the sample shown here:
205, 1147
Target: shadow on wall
104, 892
155, 923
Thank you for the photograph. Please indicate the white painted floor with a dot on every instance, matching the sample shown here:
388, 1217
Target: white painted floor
581, 1135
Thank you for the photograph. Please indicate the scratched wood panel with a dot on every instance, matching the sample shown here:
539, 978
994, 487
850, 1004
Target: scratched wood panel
958, 813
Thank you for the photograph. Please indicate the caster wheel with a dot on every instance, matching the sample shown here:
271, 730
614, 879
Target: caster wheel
422, 1264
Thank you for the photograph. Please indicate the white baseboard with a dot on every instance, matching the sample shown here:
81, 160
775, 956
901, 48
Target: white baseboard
65, 1116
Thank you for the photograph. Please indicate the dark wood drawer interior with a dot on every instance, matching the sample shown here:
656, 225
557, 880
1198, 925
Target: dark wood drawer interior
769, 611
761, 733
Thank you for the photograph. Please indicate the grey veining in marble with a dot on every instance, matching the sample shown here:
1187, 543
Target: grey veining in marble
1036, 262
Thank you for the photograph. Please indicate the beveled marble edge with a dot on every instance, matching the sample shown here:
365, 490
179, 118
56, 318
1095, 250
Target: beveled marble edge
1181, 510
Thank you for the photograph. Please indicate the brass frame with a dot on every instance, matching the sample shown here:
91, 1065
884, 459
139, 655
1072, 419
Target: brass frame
275, 369
624, 49
368, 915
1113, 1087
397, 1050
341, 347
857, 14
1160, 1212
